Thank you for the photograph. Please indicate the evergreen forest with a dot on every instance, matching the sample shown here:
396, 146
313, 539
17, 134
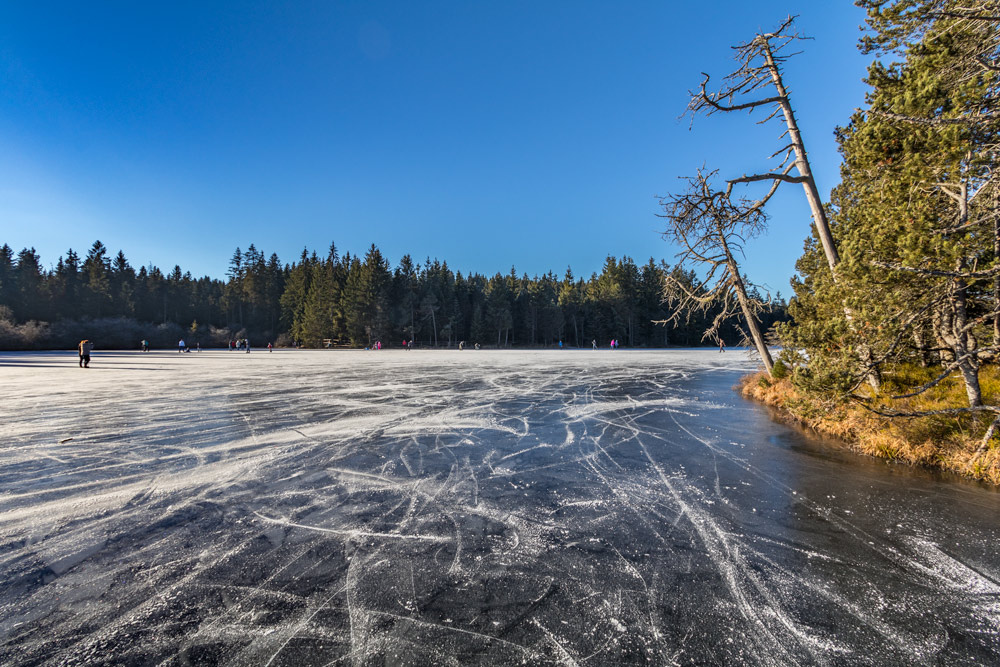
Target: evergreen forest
340, 300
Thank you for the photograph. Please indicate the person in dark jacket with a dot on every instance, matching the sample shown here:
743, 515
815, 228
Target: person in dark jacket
84, 348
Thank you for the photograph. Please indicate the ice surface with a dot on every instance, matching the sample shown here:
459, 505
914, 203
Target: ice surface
474, 507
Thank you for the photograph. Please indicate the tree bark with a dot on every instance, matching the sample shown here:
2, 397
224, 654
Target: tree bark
758, 339
744, 301
802, 161
965, 343
921, 344
953, 334
996, 281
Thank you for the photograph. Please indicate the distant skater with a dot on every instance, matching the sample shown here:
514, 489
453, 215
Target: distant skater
84, 348
145, 345
722, 345
594, 343
246, 344
180, 345
270, 348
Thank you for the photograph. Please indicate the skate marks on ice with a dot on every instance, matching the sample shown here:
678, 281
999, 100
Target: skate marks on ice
455, 508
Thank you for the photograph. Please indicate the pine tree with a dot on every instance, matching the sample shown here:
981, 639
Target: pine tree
914, 220
570, 301
7, 288
29, 302
323, 301
97, 281
122, 286
234, 289
498, 308
295, 295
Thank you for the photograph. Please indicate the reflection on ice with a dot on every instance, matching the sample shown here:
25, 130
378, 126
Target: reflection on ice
465, 507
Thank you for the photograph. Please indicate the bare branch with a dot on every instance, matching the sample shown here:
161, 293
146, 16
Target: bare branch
951, 368
764, 177
862, 401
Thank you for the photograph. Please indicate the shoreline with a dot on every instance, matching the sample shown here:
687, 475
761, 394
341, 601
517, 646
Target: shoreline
899, 440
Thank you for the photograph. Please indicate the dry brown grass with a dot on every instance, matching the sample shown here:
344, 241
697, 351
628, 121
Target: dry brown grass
945, 442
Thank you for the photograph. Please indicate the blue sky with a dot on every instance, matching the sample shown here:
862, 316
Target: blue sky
485, 134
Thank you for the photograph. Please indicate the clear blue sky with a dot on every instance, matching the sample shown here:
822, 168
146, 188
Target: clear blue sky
485, 134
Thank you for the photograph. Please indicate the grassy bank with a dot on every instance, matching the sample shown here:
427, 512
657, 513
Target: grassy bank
945, 442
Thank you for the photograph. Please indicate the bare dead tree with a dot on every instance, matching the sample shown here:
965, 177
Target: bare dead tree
746, 89
712, 228
758, 83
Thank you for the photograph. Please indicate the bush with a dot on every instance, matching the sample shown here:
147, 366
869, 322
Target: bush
28, 336
114, 333
779, 371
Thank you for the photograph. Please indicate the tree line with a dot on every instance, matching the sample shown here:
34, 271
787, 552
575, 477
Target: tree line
343, 300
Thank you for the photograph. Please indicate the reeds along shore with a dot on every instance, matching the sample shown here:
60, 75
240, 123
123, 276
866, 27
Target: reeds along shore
945, 442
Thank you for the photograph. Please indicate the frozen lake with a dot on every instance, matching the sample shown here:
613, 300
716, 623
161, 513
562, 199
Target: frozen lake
455, 508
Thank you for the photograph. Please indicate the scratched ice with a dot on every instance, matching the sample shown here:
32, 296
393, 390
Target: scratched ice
415, 508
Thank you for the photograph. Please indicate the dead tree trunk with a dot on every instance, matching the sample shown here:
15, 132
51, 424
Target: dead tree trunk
920, 342
712, 228
955, 334
995, 200
801, 158
759, 67
748, 312
961, 338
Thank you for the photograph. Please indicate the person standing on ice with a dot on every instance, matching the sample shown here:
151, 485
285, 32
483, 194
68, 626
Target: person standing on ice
722, 345
594, 343
246, 344
84, 349
269, 347
180, 345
